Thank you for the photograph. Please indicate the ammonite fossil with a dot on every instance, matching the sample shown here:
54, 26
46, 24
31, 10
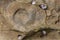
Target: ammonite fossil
24, 17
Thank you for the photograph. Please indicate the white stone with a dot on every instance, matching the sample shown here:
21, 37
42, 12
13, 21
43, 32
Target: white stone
20, 37
33, 2
44, 32
43, 6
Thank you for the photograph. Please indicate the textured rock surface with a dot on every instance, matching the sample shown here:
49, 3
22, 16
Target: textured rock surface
19, 17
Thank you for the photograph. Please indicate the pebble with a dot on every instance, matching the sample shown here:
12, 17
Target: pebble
33, 2
43, 6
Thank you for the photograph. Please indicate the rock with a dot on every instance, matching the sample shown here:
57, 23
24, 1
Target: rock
22, 17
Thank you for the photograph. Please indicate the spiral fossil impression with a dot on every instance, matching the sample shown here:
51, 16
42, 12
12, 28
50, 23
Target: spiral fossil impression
24, 16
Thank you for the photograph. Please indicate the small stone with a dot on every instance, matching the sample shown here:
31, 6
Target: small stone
19, 37
43, 6
44, 32
33, 2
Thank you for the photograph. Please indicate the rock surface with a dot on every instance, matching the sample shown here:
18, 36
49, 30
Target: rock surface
19, 17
